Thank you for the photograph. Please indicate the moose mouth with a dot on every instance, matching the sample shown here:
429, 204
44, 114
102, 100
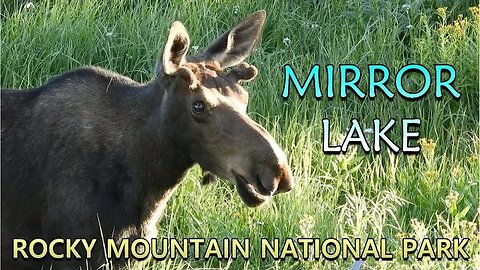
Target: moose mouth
250, 196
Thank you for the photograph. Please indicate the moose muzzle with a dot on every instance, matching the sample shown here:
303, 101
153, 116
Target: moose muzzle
268, 174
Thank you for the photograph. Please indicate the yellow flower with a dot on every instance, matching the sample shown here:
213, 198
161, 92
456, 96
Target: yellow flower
401, 235
442, 12
430, 173
451, 200
457, 171
423, 18
467, 228
475, 12
307, 219
447, 233
459, 27
473, 158
427, 145
419, 228
307, 223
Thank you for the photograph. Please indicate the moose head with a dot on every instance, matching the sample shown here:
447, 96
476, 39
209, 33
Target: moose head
211, 106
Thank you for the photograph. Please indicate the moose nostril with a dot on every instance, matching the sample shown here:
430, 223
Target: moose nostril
284, 187
261, 188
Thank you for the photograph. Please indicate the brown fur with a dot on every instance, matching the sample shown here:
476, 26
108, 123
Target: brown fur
94, 151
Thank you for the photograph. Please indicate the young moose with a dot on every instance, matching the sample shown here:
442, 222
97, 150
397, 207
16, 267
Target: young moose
93, 149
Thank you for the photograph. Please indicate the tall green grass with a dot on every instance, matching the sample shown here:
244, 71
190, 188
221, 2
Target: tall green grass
433, 194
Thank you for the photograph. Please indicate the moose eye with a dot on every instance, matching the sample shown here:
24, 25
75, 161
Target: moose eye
198, 107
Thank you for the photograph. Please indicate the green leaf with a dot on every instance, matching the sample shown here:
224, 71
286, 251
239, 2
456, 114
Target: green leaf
463, 213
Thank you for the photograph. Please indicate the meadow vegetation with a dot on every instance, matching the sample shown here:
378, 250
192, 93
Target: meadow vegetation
432, 194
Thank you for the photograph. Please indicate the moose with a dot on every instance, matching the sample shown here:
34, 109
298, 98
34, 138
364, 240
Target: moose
94, 154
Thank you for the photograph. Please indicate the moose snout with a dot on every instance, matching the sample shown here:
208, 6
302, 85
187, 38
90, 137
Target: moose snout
262, 170
272, 180
285, 181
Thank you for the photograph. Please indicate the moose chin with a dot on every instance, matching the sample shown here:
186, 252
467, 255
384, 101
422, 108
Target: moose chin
93, 153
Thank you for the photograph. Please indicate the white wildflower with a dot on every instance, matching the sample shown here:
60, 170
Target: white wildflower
405, 6
236, 9
29, 6
287, 41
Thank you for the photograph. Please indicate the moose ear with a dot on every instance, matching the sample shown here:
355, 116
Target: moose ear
175, 49
235, 45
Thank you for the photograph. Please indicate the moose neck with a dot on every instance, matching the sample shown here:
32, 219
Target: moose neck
160, 160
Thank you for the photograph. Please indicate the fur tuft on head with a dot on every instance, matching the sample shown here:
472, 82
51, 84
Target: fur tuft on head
243, 72
188, 75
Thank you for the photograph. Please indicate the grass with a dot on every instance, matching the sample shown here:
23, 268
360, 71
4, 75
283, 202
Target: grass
432, 194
